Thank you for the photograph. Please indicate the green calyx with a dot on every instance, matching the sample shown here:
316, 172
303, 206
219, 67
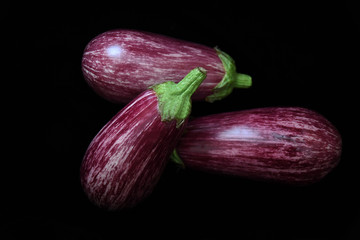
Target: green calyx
175, 158
231, 79
174, 99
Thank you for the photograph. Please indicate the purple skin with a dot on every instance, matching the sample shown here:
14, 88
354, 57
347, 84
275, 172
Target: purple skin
287, 145
124, 161
120, 64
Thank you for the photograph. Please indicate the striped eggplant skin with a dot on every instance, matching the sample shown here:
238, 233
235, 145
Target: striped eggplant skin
288, 145
125, 159
120, 64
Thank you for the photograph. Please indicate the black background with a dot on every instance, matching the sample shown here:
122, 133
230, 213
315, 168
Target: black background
300, 54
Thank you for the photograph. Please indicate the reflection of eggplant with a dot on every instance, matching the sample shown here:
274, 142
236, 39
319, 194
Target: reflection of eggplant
120, 64
289, 145
126, 158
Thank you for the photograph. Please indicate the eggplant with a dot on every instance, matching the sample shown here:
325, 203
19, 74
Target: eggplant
120, 64
288, 145
125, 159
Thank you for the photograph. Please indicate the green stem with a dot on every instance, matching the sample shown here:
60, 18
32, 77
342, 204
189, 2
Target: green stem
231, 79
175, 99
242, 81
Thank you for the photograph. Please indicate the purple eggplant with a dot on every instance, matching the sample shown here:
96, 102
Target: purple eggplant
287, 145
120, 64
126, 158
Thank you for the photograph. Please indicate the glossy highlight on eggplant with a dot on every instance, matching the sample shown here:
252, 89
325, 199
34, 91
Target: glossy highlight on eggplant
288, 145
